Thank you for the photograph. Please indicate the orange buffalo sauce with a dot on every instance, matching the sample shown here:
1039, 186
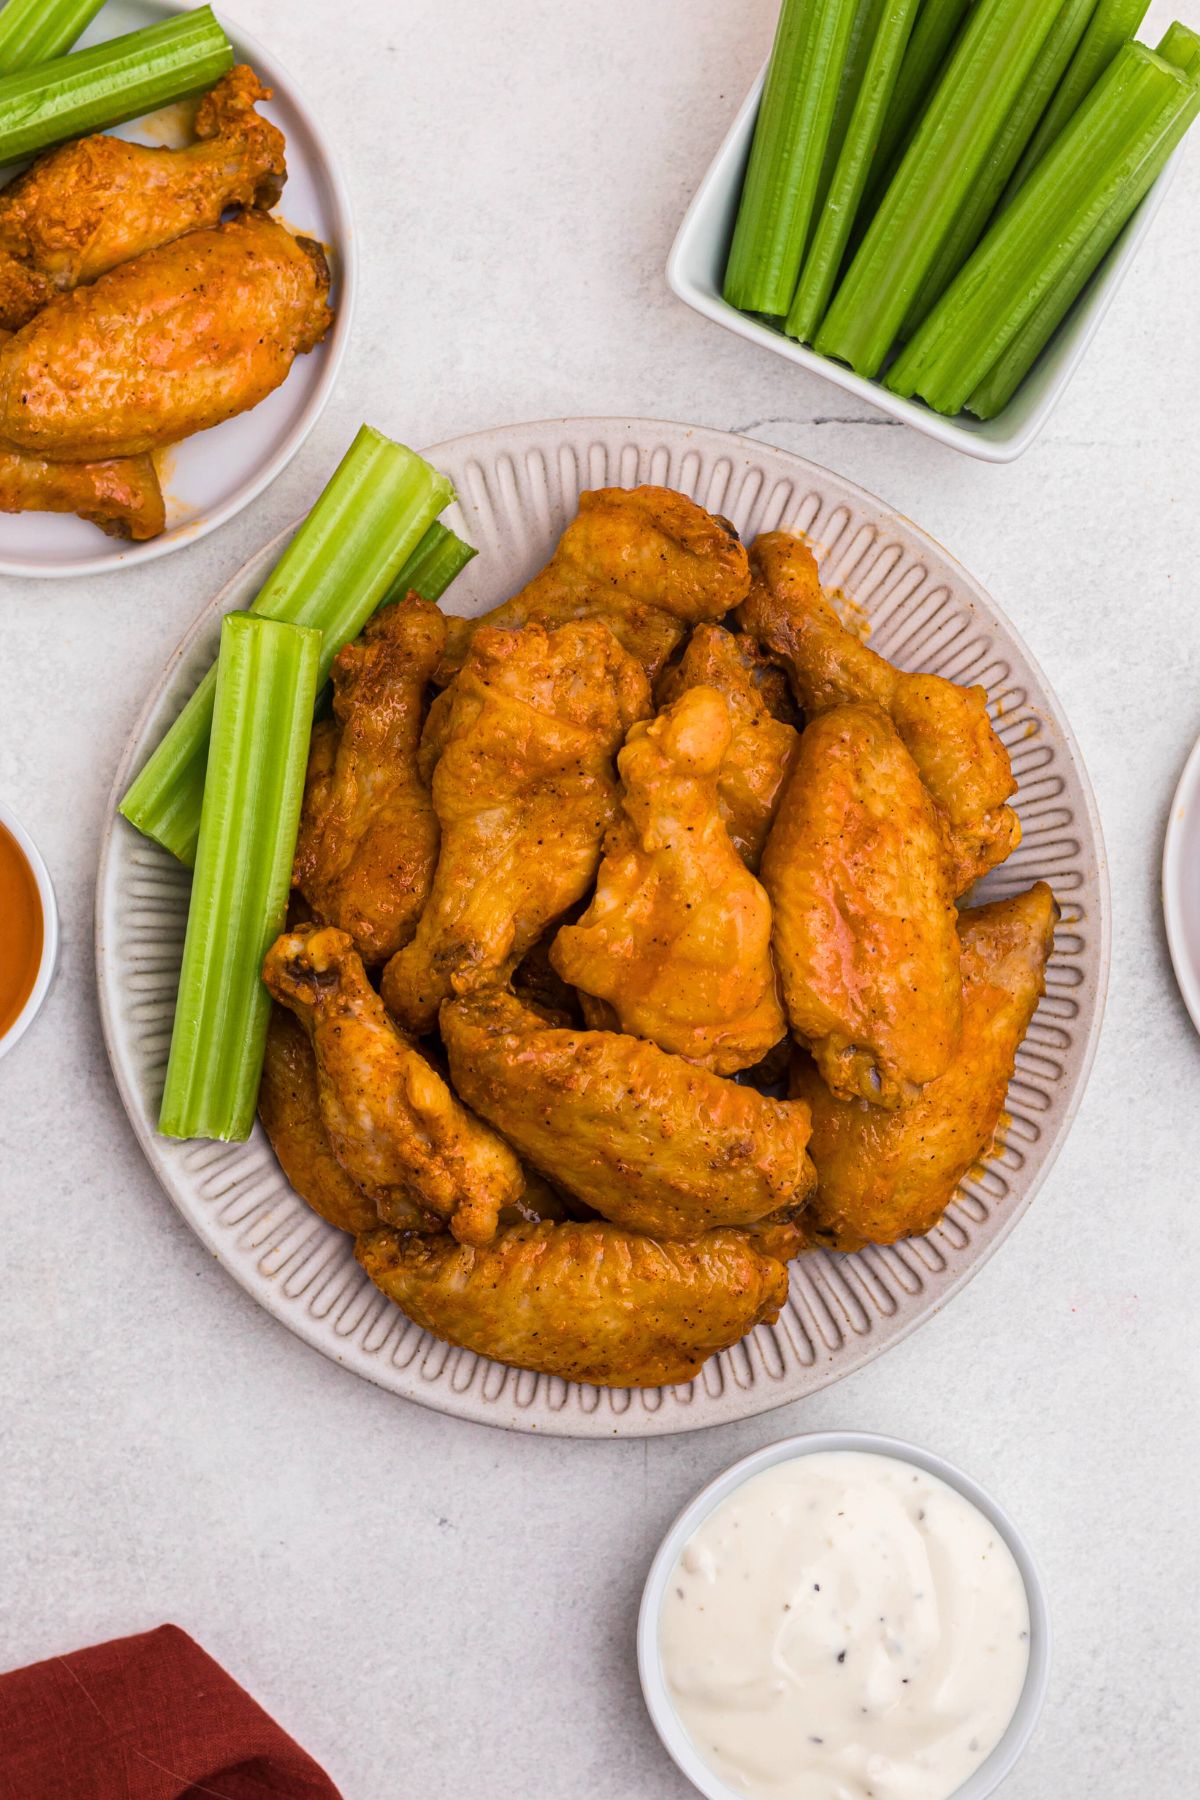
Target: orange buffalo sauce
21, 930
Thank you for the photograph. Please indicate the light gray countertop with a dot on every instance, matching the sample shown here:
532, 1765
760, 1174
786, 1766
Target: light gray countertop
437, 1610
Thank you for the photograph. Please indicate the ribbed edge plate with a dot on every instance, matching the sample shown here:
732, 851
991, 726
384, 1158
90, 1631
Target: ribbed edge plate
517, 489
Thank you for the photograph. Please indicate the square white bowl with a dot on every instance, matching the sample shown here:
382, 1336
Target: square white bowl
696, 268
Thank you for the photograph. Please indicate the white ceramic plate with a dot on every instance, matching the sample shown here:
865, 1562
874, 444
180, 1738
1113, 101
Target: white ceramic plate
1181, 884
210, 477
517, 489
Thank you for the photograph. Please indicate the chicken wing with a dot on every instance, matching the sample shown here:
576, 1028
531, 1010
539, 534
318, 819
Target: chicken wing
368, 835
653, 1143
393, 1123
588, 1302
881, 1175
524, 790
166, 345
647, 560
121, 496
763, 746
84, 208
859, 878
945, 728
290, 1108
677, 939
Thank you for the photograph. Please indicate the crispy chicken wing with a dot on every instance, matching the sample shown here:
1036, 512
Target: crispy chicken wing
524, 790
654, 1143
393, 1123
177, 340
289, 1106
763, 746
858, 873
368, 835
945, 727
885, 1175
121, 496
80, 210
677, 939
648, 561
588, 1302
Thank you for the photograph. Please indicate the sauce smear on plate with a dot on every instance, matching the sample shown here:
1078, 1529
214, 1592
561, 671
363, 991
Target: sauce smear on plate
21, 930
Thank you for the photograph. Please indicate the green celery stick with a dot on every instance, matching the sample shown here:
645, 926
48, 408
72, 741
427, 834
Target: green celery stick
933, 33
1111, 25
438, 559
1134, 106
793, 127
33, 31
1003, 157
891, 25
1180, 46
990, 63
377, 507
862, 33
262, 721
90, 90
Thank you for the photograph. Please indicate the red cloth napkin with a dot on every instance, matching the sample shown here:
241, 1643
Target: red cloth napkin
144, 1718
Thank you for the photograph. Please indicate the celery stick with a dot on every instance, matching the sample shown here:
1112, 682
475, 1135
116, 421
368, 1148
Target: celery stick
262, 721
933, 32
32, 31
1132, 108
891, 26
793, 127
985, 74
92, 89
378, 505
1111, 25
437, 560
1180, 46
1003, 157
862, 33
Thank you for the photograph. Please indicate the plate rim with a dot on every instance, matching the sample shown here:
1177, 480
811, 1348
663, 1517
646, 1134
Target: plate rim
564, 1422
1182, 805
130, 555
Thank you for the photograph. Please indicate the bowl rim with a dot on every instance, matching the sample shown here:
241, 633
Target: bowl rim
984, 1780
50, 928
1173, 879
246, 48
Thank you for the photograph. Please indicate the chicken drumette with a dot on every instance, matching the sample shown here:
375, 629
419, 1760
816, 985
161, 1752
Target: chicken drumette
121, 496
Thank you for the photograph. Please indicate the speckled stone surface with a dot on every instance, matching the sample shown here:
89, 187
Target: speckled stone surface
435, 1609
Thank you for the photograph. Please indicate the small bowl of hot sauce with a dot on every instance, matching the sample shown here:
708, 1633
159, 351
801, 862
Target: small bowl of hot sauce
28, 930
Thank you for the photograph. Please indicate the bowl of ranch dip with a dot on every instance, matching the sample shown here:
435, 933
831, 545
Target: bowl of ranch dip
844, 1617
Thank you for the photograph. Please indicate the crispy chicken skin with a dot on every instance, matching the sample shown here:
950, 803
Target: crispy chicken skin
763, 745
524, 790
881, 1175
84, 208
653, 1143
394, 1125
858, 873
121, 496
588, 1302
169, 344
677, 939
368, 834
646, 560
945, 728
290, 1109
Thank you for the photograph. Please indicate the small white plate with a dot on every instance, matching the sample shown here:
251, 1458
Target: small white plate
676, 1740
1181, 883
45, 887
212, 476
696, 268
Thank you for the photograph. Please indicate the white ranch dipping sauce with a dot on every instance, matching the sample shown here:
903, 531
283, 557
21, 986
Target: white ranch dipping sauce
845, 1627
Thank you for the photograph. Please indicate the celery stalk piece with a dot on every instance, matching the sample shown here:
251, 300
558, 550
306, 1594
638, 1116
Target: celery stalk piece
1180, 46
793, 126
380, 502
262, 721
990, 63
438, 559
1129, 113
933, 32
1111, 25
862, 33
1018, 129
90, 90
33, 31
891, 26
